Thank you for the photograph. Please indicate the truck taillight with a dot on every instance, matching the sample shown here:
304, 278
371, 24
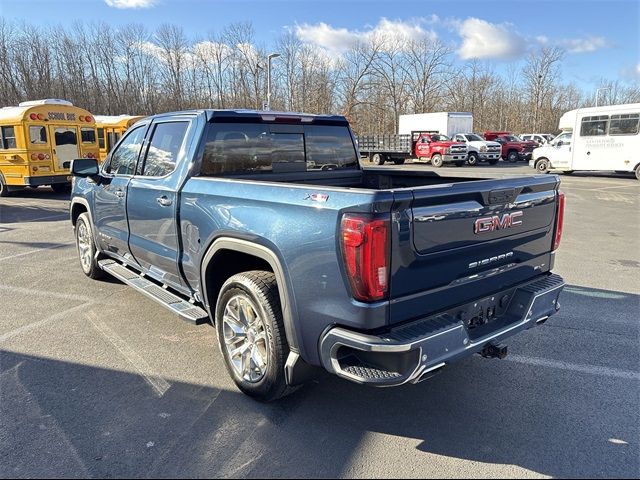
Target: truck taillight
559, 221
365, 247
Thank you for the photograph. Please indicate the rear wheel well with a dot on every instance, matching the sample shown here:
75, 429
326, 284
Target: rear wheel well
223, 265
77, 210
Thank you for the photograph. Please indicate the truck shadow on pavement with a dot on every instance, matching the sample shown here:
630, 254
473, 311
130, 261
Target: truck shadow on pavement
59, 418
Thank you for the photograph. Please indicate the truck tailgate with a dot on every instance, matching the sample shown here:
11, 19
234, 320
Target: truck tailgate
454, 243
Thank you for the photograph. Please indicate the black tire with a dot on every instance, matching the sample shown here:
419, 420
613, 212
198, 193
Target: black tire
436, 160
399, 161
512, 156
472, 158
84, 239
260, 291
377, 159
4, 190
61, 187
542, 165
459, 164
638, 172
493, 161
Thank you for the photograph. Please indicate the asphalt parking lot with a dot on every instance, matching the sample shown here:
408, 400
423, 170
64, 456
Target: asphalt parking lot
96, 380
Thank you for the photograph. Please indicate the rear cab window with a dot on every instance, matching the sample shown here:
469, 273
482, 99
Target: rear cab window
166, 141
241, 148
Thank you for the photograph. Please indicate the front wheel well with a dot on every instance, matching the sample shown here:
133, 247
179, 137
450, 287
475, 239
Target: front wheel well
76, 210
225, 264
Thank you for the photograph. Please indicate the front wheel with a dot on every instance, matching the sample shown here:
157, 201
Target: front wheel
87, 247
512, 156
377, 159
472, 159
638, 172
251, 334
542, 165
436, 160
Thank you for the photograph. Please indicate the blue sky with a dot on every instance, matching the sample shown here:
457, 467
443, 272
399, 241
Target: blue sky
602, 38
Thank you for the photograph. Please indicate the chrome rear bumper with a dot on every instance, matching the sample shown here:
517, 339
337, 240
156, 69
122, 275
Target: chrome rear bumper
411, 352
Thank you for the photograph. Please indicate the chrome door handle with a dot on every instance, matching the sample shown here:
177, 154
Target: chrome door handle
164, 201
119, 193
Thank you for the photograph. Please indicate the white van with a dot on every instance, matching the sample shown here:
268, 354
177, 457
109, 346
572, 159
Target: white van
595, 139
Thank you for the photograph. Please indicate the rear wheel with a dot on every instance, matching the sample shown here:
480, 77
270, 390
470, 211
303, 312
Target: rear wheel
542, 165
87, 247
436, 160
377, 159
512, 156
251, 334
472, 158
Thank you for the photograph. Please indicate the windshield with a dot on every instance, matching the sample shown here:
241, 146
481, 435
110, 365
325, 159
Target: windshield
439, 138
472, 137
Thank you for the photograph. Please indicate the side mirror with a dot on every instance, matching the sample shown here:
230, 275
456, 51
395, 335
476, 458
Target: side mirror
85, 167
560, 143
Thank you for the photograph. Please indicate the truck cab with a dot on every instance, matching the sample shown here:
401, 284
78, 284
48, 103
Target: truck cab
479, 149
513, 148
439, 149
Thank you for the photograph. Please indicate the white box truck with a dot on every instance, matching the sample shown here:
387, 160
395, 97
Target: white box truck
447, 123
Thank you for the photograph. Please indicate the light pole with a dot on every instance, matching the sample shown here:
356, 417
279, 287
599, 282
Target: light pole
598, 93
271, 56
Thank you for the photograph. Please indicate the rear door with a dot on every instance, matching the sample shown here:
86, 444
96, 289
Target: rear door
458, 242
65, 146
153, 200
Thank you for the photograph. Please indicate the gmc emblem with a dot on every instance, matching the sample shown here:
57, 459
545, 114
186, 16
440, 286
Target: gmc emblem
491, 224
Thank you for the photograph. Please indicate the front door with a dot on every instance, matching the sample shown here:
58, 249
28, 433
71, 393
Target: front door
561, 152
153, 199
110, 213
65, 147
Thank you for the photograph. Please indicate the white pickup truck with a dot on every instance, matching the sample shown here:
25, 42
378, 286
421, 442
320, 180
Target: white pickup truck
479, 149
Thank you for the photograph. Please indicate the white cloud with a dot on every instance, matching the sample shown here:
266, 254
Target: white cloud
584, 45
338, 40
130, 3
481, 39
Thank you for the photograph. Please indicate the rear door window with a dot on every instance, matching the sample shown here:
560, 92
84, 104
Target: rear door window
164, 147
37, 135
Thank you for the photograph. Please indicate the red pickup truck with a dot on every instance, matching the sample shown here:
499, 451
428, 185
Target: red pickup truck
433, 146
513, 148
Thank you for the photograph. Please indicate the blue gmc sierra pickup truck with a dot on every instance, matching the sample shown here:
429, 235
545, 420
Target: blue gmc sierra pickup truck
266, 225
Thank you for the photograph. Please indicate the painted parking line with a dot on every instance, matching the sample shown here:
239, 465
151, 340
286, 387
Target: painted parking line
573, 367
53, 247
157, 383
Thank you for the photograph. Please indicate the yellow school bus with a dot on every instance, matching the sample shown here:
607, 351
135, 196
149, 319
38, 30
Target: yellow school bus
110, 129
38, 140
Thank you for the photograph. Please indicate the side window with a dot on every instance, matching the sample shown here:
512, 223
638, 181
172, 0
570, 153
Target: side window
8, 137
626, 124
37, 135
101, 143
163, 149
124, 158
88, 135
594, 126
